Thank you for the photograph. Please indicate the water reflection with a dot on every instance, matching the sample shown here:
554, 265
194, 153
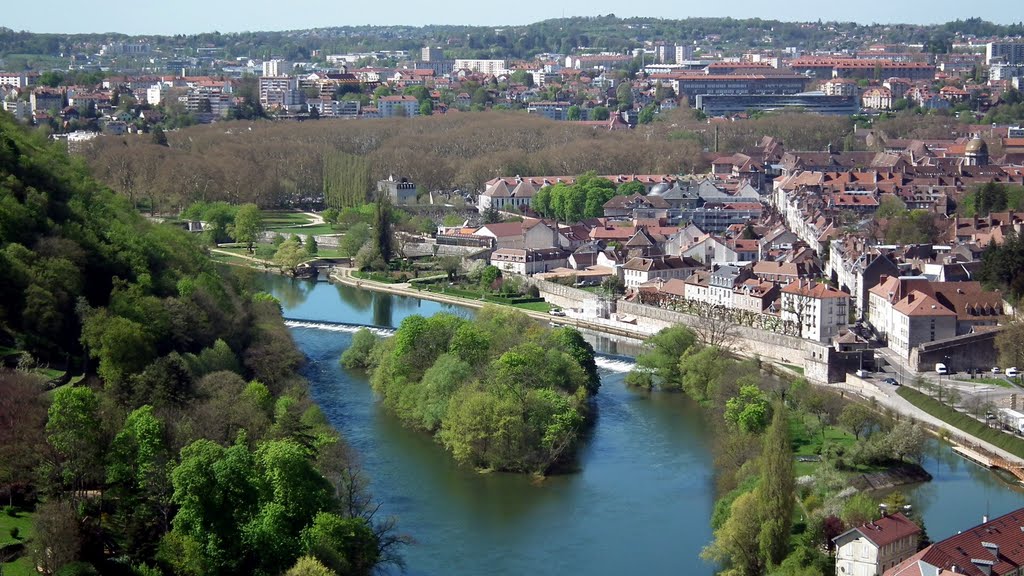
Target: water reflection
960, 493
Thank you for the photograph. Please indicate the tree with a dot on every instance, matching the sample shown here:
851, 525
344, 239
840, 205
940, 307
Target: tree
1010, 343
58, 535
344, 545
663, 354
383, 219
489, 276
858, 418
749, 411
22, 417
630, 188
776, 490
859, 509
890, 206
159, 138
736, 543
355, 237
357, 355
624, 95
248, 225
907, 441
573, 113
309, 566
73, 431
451, 265
426, 108
599, 113
647, 114
311, 246
290, 254
702, 368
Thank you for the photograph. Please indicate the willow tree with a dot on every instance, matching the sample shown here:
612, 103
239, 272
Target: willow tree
346, 179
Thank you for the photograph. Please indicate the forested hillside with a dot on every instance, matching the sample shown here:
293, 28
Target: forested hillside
180, 439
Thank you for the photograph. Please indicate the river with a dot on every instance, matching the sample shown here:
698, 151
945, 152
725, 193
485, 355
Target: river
640, 502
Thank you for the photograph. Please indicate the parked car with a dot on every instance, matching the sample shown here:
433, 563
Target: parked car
1012, 372
556, 312
862, 373
940, 368
891, 381
996, 370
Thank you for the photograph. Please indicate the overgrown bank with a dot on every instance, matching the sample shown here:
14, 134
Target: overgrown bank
785, 454
189, 446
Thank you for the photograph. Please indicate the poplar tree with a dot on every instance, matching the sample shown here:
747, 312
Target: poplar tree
775, 492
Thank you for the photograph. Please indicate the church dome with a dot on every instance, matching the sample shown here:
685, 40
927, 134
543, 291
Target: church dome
976, 146
659, 189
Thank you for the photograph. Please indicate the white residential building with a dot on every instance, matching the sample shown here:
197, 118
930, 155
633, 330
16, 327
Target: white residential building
277, 67
489, 67
820, 311
871, 549
395, 106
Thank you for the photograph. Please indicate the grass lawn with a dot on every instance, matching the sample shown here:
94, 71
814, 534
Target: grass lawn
277, 218
807, 440
794, 368
21, 567
962, 421
22, 521
534, 306
318, 230
1001, 382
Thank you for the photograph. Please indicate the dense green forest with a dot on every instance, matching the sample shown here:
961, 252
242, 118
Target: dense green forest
500, 391
560, 35
152, 420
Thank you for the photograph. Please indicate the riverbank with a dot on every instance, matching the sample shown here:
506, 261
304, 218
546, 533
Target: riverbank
344, 276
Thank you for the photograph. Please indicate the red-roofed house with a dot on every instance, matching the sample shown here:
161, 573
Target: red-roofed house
871, 549
993, 548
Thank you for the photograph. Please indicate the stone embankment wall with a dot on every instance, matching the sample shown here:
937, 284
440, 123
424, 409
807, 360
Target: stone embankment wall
960, 353
747, 341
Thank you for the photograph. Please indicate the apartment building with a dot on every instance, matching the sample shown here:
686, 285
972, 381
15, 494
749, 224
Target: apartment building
819, 310
487, 67
394, 106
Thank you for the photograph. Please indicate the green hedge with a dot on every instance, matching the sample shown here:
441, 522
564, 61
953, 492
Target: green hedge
1008, 442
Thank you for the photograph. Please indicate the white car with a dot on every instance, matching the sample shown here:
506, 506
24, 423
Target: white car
1012, 372
556, 312
940, 368
996, 370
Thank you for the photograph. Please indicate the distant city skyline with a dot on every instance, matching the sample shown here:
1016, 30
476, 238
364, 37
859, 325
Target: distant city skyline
195, 16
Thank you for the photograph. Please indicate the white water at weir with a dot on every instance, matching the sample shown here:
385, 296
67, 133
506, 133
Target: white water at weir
348, 328
613, 364
609, 363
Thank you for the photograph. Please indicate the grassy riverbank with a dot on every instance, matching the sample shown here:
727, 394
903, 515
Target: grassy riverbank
961, 421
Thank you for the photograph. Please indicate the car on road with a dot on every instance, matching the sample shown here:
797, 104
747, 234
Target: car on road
996, 370
556, 312
940, 368
891, 381
1012, 372
862, 373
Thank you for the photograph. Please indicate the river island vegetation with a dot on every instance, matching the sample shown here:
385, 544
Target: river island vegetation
788, 455
500, 391
152, 420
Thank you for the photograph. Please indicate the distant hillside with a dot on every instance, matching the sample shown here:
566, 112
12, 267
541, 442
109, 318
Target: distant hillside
560, 35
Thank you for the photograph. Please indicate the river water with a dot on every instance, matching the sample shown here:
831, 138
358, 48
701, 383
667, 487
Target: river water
640, 502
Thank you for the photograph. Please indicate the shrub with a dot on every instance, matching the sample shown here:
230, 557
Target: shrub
15, 532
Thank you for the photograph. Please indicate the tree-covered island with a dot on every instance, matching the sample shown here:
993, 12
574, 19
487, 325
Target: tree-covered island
500, 391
